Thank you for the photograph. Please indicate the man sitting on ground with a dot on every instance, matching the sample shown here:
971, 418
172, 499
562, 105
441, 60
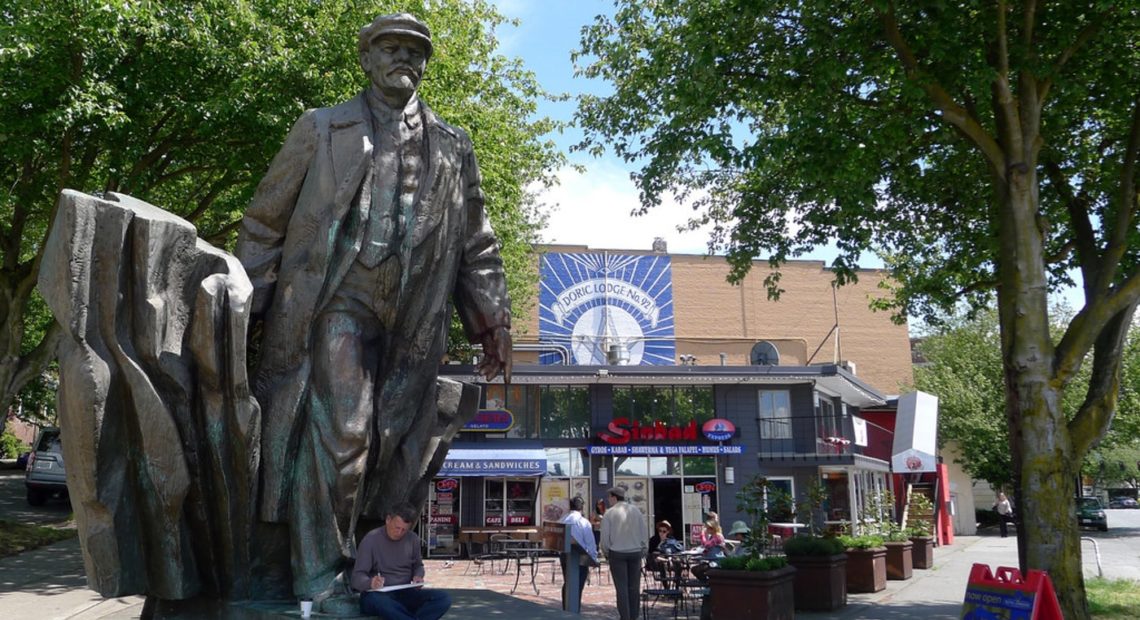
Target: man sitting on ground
390, 556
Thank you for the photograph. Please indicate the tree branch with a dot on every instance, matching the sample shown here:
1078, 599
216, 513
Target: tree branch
1126, 204
1092, 420
1087, 326
951, 111
1083, 37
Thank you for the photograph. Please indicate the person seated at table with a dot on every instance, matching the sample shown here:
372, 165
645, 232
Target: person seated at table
661, 546
739, 533
711, 539
390, 556
664, 534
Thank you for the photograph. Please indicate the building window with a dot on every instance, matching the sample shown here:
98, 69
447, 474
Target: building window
829, 426
775, 414
508, 501
564, 413
673, 406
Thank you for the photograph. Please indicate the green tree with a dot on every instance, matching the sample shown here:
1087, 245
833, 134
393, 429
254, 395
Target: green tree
183, 103
983, 146
962, 365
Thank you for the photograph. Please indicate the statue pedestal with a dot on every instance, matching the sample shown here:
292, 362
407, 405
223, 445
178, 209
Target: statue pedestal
340, 607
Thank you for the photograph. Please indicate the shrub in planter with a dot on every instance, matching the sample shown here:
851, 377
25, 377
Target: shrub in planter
821, 572
921, 530
866, 563
900, 562
752, 587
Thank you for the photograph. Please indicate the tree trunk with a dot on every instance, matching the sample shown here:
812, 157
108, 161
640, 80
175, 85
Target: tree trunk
1042, 453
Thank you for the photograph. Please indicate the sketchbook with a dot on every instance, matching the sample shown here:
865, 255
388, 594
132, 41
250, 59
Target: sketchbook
399, 587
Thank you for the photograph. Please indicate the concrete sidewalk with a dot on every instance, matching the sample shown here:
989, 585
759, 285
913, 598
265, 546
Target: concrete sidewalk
49, 583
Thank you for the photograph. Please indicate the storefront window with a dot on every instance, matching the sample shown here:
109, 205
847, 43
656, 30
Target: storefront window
700, 465
631, 465
564, 413
509, 501
518, 401
664, 466
443, 517
694, 403
674, 406
567, 462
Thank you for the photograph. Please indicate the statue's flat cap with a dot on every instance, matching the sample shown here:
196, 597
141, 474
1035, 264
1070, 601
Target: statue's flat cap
396, 24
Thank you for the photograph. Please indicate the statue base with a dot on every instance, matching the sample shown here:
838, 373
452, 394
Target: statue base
342, 607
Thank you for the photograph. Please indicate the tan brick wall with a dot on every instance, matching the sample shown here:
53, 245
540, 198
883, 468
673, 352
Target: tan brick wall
713, 317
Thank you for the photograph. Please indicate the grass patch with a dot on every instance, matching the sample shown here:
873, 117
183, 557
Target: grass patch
1116, 598
18, 537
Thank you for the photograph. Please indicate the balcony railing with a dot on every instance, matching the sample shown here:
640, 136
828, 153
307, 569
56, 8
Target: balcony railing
811, 437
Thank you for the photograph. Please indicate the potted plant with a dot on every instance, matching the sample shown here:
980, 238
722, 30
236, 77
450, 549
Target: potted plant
900, 561
821, 572
920, 526
820, 562
753, 584
866, 563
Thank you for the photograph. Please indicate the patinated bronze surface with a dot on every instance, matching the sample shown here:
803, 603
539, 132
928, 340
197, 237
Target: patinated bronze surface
368, 227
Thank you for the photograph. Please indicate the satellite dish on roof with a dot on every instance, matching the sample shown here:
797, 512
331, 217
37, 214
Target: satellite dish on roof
764, 353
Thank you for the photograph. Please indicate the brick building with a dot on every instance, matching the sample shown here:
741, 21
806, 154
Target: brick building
650, 371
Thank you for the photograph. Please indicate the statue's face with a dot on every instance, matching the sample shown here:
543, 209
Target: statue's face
395, 63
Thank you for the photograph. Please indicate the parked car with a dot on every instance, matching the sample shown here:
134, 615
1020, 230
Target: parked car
1123, 502
45, 476
1090, 512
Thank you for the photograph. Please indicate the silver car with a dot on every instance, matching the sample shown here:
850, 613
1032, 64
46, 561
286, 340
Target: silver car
45, 476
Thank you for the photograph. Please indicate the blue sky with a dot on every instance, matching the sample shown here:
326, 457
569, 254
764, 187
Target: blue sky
591, 208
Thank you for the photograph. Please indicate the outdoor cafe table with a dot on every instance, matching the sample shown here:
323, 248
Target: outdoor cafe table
527, 553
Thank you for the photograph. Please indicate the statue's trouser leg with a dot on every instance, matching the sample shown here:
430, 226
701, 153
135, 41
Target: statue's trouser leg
334, 442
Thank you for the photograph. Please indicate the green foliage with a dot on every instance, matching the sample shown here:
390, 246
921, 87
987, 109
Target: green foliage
18, 537
1113, 599
866, 541
183, 104
813, 545
12, 446
811, 509
754, 564
964, 368
917, 525
753, 500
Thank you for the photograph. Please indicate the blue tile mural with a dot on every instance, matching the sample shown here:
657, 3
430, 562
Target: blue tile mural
607, 308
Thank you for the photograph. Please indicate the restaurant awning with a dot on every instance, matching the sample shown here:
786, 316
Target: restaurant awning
478, 460
916, 434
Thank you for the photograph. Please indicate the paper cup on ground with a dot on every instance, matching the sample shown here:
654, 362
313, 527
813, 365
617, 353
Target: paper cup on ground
306, 609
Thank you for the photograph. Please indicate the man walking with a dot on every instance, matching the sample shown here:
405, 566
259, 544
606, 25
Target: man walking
578, 528
625, 541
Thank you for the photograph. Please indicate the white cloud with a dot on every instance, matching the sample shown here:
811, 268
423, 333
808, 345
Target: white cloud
594, 208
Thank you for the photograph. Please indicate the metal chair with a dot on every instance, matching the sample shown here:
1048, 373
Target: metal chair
659, 588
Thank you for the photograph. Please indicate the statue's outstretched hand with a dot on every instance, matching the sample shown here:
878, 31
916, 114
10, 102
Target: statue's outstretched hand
497, 347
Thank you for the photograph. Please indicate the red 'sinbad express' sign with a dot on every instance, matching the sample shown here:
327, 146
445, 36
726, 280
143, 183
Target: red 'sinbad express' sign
624, 430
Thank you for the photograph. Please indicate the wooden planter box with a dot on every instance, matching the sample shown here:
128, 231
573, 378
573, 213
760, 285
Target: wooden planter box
923, 552
766, 595
867, 569
900, 561
821, 581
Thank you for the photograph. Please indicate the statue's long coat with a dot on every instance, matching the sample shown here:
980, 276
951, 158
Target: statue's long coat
299, 237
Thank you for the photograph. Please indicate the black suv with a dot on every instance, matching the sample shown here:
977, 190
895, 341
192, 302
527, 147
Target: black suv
45, 476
